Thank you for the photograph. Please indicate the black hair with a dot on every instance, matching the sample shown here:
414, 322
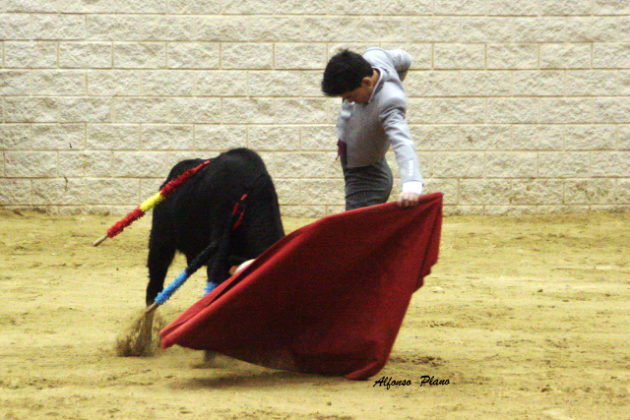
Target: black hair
344, 73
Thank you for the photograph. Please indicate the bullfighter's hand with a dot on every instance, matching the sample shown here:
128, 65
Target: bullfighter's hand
408, 199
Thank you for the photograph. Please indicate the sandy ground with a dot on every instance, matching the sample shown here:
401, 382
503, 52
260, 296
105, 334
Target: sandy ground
526, 318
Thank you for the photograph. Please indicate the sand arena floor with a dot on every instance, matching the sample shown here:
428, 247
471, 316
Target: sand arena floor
525, 318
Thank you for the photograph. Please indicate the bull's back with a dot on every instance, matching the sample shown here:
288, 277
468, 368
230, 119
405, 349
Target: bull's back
189, 216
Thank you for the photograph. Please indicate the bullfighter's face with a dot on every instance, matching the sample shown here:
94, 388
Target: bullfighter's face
363, 93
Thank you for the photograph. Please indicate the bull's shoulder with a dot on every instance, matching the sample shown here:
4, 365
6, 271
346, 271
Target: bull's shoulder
235, 161
242, 153
243, 156
183, 166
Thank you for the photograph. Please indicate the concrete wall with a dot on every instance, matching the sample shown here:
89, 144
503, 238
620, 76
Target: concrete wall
515, 105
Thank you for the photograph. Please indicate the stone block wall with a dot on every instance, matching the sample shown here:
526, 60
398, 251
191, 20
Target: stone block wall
514, 105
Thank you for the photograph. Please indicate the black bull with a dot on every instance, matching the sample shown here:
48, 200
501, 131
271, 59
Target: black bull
200, 213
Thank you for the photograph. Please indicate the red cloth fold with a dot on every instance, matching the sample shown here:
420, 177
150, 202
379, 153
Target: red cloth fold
328, 298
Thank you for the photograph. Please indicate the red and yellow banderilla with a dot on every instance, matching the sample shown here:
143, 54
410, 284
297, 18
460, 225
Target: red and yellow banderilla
151, 202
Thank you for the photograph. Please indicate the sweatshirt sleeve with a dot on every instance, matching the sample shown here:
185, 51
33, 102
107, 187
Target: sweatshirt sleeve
397, 132
401, 59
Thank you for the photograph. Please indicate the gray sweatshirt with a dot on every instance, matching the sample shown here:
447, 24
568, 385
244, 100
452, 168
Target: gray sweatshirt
369, 129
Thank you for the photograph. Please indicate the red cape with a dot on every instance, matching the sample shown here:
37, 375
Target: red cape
329, 298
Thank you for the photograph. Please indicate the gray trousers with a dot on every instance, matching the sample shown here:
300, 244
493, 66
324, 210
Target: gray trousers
367, 185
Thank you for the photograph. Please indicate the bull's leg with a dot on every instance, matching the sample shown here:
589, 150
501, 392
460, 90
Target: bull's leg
212, 280
214, 266
209, 356
161, 254
219, 266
